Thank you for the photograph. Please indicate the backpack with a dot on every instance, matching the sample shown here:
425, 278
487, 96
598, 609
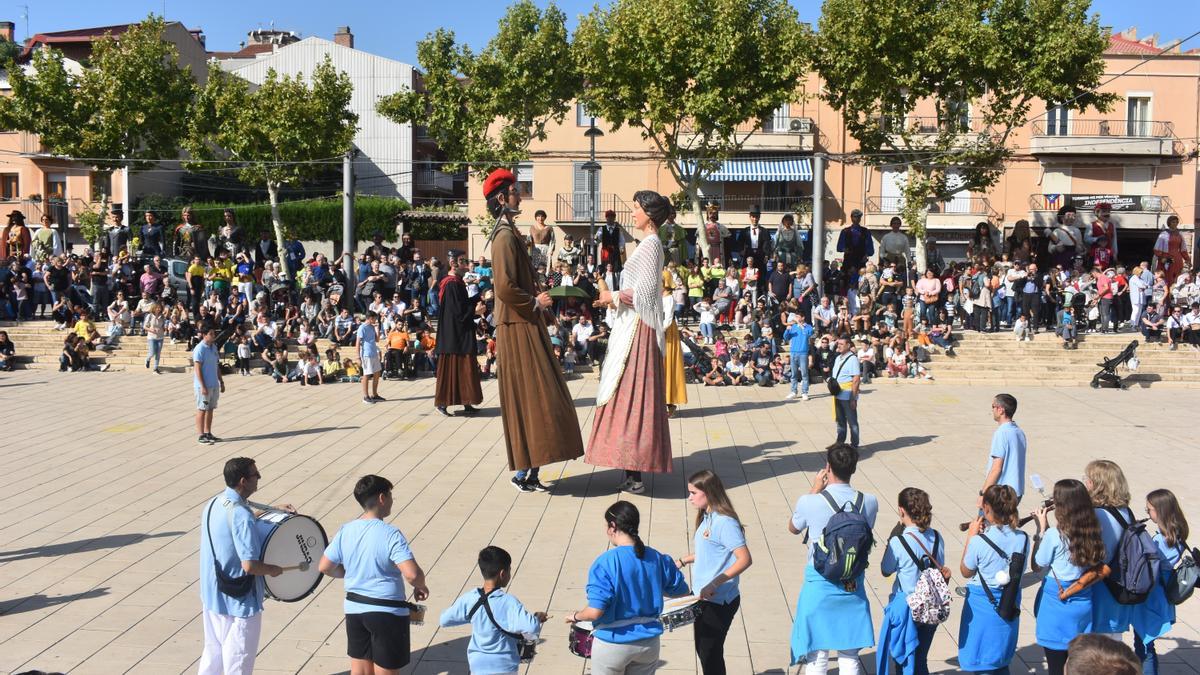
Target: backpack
921, 355
1135, 563
1008, 607
841, 554
1182, 580
929, 600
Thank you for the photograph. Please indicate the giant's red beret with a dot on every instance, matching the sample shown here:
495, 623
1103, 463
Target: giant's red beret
496, 181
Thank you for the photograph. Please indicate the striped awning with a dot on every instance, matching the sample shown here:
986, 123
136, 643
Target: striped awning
755, 170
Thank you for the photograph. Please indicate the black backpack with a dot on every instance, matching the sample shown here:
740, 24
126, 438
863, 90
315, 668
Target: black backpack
1007, 607
1135, 563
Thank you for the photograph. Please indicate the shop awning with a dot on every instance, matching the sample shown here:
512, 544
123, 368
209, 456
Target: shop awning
756, 170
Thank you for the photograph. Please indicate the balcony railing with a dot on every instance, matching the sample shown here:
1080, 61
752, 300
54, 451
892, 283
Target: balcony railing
432, 179
778, 124
742, 204
1100, 128
572, 207
977, 206
914, 124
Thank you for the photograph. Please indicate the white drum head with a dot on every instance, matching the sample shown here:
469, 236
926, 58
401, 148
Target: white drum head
294, 539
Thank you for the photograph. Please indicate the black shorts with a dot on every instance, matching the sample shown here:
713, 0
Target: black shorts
378, 637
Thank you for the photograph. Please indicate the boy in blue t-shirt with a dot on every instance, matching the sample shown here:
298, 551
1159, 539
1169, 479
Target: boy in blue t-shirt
493, 647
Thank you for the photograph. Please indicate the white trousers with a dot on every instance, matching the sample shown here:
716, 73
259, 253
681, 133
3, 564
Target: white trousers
230, 644
848, 663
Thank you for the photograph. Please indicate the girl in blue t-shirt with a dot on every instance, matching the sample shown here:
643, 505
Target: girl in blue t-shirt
986, 642
625, 591
1153, 618
902, 641
1069, 550
1110, 492
720, 556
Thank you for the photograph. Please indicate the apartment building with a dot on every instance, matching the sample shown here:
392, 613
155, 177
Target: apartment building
1140, 157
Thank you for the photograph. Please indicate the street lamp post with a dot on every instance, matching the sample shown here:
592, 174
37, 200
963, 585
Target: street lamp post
592, 167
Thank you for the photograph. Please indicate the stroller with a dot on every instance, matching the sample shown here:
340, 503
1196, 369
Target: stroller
1107, 377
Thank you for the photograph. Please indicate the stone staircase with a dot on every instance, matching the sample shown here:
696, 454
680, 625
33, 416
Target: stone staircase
999, 359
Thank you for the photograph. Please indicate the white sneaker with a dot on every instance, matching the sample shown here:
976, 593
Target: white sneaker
790, 395
803, 397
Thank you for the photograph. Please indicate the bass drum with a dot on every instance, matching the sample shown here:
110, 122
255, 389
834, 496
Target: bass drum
291, 540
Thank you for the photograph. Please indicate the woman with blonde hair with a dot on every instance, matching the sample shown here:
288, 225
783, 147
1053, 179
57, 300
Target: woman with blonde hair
1110, 494
721, 555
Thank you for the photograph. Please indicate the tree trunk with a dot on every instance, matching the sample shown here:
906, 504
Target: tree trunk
273, 192
922, 235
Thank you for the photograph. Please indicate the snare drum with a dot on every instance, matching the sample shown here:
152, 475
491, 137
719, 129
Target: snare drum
579, 641
680, 612
290, 539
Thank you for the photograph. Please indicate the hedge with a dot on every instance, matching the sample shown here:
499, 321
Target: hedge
308, 220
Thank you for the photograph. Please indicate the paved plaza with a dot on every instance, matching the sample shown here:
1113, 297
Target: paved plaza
103, 484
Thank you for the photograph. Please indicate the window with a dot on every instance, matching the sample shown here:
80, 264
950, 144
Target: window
1138, 117
778, 121
10, 190
56, 186
101, 185
954, 115
583, 118
1057, 118
525, 179
582, 191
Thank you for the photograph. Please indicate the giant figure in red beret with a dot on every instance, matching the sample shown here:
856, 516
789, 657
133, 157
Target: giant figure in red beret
540, 425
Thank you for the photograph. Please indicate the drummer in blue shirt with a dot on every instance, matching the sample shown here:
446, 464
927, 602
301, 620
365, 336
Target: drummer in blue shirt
625, 591
720, 557
231, 545
375, 560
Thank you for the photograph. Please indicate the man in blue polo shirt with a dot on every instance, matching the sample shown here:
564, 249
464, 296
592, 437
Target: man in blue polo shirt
1006, 462
230, 540
848, 373
798, 335
207, 382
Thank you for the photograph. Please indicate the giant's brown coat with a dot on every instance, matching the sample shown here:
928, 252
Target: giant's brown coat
540, 425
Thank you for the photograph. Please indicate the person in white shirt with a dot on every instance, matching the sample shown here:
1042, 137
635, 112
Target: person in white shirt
580, 334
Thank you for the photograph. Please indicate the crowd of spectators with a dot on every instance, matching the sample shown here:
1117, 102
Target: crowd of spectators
735, 304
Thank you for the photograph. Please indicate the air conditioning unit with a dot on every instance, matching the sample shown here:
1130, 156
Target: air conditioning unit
800, 126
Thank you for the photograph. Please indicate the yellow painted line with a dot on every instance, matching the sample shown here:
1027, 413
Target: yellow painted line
126, 428
410, 426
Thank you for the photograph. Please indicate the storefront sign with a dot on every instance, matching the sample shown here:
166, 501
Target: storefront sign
1150, 203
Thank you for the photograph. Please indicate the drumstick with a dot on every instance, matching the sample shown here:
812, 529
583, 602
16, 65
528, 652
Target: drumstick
303, 567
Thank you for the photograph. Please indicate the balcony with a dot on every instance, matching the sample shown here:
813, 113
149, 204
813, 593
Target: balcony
1108, 138
735, 209
779, 132
432, 180
1135, 212
421, 135
962, 213
572, 207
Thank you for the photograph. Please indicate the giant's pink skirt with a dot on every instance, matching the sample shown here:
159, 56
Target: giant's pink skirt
630, 431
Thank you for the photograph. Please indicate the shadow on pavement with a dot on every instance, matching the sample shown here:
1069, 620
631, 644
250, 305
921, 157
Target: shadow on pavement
285, 434
32, 603
81, 546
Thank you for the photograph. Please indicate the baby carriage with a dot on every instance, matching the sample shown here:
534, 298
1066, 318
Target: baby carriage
1107, 377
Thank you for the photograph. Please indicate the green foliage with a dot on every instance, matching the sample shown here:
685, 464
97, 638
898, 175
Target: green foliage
485, 109
91, 223
131, 102
9, 51
269, 128
879, 61
310, 220
690, 74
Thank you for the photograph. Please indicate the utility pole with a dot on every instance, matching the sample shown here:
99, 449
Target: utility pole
818, 226
592, 167
348, 220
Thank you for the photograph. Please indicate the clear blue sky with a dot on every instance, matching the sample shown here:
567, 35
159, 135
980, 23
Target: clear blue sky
392, 28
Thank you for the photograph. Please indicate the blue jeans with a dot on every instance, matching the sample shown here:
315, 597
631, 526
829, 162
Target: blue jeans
154, 350
847, 416
707, 330
800, 366
1146, 653
522, 474
925, 635
1012, 309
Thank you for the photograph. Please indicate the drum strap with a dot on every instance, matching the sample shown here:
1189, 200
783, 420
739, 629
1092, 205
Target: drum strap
488, 608
380, 602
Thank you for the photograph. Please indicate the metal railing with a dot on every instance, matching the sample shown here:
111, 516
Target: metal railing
572, 207
976, 206
742, 204
431, 179
777, 124
1134, 128
1146, 203
928, 125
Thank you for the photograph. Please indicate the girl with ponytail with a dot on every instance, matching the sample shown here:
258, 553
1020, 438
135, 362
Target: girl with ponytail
986, 641
625, 590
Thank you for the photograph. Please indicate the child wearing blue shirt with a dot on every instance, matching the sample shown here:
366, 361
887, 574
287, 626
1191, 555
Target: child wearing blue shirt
903, 641
987, 642
493, 647
1153, 618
